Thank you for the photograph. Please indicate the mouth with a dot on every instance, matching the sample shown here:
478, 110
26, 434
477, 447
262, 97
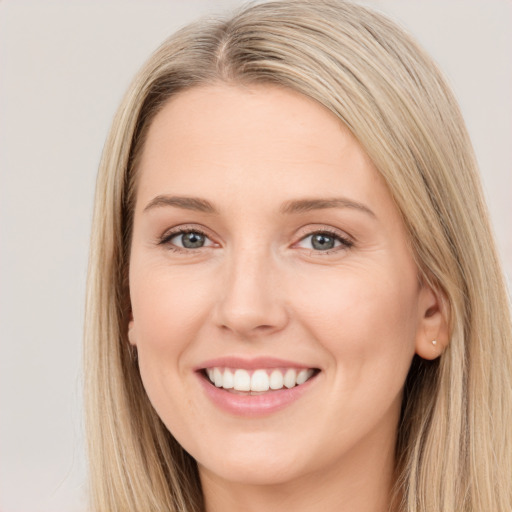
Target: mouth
258, 381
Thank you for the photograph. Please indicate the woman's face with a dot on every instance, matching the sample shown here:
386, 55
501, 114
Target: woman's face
267, 250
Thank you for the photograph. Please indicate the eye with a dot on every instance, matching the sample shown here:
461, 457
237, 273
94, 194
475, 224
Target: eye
187, 239
324, 241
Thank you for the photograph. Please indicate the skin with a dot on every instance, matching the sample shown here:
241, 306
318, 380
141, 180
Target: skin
357, 312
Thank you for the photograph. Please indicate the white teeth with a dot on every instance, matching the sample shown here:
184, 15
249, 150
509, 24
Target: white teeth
229, 380
242, 380
217, 377
303, 376
260, 380
290, 378
276, 380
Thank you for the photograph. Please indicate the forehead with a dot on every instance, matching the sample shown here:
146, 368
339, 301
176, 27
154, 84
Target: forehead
258, 117
267, 139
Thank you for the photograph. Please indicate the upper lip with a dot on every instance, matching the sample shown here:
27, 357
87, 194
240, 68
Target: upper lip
251, 364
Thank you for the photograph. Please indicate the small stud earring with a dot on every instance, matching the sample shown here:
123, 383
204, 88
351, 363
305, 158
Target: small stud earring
434, 342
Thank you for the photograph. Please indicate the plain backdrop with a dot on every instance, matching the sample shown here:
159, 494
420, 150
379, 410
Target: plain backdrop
64, 66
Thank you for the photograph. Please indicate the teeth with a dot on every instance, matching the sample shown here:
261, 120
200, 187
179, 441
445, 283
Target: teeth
242, 380
217, 377
260, 380
276, 380
228, 381
290, 378
302, 377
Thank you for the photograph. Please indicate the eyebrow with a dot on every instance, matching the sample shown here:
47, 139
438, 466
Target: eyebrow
307, 205
289, 207
186, 203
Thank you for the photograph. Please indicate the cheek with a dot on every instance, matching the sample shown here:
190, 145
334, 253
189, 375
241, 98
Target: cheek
167, 306
364, 317
366, 324
169, 309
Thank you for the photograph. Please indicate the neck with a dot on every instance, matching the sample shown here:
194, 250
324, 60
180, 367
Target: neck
361, 482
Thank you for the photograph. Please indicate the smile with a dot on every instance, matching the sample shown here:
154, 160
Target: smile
258, 380
255, 387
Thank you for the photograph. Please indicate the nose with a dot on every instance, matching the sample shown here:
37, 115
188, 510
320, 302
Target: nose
251, 301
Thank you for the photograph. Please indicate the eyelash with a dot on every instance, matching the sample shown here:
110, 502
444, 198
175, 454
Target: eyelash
167, 237
345, 242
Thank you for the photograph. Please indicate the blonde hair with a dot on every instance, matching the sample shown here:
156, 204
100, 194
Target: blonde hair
453, 450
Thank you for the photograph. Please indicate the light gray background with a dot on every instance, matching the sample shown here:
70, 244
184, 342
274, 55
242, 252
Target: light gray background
64, 66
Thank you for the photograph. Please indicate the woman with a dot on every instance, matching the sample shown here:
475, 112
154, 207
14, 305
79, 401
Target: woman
294, 297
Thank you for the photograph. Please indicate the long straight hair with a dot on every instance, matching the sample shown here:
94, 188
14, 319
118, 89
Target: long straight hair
454, 440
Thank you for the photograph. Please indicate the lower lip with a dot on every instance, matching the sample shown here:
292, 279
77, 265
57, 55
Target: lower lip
254, 405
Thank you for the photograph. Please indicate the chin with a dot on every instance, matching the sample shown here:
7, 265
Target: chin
262, 471
251, 460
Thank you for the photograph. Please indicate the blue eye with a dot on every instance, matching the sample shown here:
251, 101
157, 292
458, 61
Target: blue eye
324, 241
192, 240
189, 239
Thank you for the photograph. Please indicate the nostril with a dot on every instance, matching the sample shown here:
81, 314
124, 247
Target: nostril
251, 301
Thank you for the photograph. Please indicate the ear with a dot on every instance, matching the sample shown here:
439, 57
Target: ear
131, 331
432, 336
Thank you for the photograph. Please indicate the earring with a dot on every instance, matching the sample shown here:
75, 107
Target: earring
434, 342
